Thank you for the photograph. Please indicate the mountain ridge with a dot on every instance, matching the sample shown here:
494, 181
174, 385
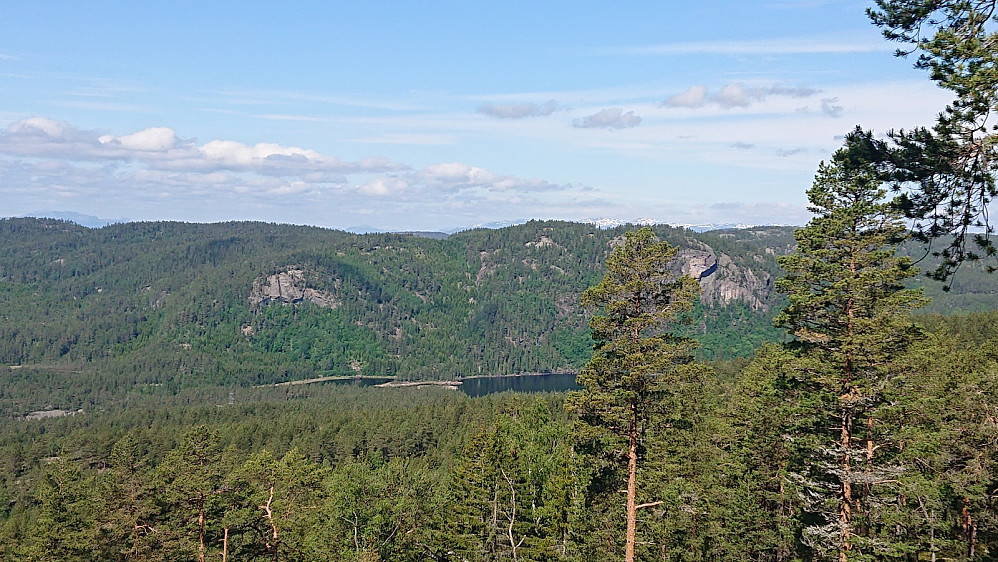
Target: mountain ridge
183, 304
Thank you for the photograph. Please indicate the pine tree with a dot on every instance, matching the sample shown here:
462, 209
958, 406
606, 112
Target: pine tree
64, 526
848, 312
947, 173
636, 363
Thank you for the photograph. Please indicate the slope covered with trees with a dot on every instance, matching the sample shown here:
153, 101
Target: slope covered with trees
90, 316
143, 304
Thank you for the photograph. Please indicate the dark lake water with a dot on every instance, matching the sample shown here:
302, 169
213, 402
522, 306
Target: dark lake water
480, 386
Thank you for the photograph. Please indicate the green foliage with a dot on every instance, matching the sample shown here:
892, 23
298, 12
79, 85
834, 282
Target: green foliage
635, 361
150, 330
133, 306
849, 314
947, 173
637, 381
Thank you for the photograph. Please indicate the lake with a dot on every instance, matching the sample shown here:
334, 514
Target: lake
473, 386
552, 382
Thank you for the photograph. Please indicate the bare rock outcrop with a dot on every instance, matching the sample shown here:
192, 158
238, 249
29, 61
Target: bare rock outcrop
289, 287
721, 280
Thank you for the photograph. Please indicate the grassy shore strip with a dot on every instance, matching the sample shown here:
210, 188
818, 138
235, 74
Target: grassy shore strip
318, 380
407, 384
528, 374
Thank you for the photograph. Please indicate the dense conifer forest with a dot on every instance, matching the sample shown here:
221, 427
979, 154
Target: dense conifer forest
158, 307
766, 394
145, 306
176, 452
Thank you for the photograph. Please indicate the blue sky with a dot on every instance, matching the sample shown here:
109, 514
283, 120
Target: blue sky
437, 115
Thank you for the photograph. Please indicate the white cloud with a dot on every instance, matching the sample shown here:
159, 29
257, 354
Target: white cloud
40, 126
518, 110
384, 186
735, 94
156, 139
694, 97
831, 108
612, 118
159, 147
454, 176
153, 174
236, 155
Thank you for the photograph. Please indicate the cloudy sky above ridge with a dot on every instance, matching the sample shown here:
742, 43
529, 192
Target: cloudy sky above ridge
438, 115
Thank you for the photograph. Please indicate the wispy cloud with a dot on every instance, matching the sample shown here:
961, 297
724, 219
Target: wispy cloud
770, 212
4, 56
279, 97
289, 117
784, 46
734, 95
424, 139
518, 110
107, 106
611, 118
831, 107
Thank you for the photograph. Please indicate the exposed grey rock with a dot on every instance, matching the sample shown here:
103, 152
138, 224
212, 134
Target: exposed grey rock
721, 280
289, 287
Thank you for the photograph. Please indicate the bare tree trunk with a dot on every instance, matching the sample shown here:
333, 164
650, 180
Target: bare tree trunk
512, 514
845, 500
632, 477
201, 546
969, 528
225, 545
269, 516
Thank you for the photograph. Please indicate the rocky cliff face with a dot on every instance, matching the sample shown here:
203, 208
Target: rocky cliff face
721, 280
289, 287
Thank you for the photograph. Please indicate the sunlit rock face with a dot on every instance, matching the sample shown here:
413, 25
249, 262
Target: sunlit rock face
721, 281
289, 287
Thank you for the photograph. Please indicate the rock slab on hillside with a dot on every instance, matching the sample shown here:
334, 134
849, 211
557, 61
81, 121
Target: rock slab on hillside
289, 287
721, 280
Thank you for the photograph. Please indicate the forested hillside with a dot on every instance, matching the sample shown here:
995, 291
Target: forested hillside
251, 303
157, 334
344, 473
162, 306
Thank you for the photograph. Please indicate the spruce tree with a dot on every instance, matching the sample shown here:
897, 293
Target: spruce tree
848, 312
637, 363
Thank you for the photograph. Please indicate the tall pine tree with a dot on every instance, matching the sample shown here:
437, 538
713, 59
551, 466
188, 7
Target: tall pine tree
637, 362
849, 314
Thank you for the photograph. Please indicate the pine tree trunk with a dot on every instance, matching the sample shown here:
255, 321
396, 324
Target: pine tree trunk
632, 477
201, 546
845, 501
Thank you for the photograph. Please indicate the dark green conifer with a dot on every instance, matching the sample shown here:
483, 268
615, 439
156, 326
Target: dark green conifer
849, 314
637, 364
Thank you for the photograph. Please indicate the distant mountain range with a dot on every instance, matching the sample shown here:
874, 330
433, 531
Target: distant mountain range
89, 221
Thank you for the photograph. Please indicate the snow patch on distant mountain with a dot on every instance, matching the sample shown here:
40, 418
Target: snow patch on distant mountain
714, 226
606, 223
